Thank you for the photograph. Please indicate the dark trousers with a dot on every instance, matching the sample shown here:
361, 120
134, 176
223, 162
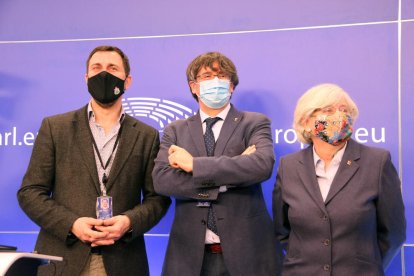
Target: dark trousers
213, 265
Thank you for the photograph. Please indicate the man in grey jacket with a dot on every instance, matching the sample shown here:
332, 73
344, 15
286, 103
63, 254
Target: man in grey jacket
95, 161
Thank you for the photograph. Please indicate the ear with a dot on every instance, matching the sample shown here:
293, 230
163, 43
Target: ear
307, 123
195, 88
86, 77
231, 88
128, 82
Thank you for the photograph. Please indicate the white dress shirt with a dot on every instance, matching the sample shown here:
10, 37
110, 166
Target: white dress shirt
210, 236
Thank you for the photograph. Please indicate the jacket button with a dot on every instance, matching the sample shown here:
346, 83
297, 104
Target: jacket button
325, 217
203, 222
326, 267
326, 242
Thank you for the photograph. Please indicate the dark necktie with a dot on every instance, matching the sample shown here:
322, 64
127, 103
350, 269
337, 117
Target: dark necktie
209, 135
210, 144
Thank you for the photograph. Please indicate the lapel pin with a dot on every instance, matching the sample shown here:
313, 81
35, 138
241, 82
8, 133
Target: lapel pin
349, 162
235, 119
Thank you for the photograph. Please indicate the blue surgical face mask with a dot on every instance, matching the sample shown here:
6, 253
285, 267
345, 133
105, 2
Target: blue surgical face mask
215, 93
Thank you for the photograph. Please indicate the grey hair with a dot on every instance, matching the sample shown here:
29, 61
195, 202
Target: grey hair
318, 97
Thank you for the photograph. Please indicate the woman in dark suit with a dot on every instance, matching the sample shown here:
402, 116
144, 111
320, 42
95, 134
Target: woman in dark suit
337, 204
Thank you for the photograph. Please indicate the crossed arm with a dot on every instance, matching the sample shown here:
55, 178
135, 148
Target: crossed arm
181, 173
179, 158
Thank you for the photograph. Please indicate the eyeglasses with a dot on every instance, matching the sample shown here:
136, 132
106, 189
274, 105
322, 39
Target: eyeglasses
210, 76
330, 110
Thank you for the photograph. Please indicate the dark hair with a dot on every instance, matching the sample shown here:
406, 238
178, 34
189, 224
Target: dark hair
106, 48
207, 60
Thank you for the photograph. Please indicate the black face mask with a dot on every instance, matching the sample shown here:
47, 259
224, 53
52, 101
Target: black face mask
105, 87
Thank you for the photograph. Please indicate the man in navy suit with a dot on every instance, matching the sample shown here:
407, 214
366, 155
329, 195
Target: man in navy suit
213, 164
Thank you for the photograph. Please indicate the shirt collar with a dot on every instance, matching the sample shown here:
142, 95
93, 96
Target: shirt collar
91, 114
336, 159
222, 115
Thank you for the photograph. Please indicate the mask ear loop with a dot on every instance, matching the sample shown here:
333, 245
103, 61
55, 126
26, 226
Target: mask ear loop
125, 89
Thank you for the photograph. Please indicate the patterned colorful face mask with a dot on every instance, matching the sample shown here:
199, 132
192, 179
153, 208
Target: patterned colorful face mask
333, 129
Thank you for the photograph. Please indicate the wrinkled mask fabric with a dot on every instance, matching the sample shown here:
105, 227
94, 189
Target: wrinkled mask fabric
333, 129
215, 93
105, 87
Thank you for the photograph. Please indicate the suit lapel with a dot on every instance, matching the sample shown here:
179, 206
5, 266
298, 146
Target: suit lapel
230, 124
84, 142
346, 169
127, 141
306, 171
196, 133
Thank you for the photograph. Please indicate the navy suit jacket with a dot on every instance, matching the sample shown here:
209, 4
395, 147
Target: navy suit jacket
356, 231
244, 224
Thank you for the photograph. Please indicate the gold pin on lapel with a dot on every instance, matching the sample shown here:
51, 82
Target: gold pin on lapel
236, 119
349, 162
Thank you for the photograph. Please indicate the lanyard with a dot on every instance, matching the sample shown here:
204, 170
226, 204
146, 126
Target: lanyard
105, 177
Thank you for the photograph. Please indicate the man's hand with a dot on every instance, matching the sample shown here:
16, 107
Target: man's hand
179, 158
115, 228
249, 150
83, 229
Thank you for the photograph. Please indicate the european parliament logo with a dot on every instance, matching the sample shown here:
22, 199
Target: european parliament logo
160, 111
152, 111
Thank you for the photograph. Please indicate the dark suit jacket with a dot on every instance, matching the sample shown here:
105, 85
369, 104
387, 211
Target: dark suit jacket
244, 224
356, 231
61, 185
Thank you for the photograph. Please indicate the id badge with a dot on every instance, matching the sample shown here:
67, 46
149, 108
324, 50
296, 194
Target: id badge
104, 207
203, 204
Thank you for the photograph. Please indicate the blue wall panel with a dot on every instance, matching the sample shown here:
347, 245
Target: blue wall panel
281, 49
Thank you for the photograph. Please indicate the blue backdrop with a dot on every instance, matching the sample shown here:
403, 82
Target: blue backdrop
281, 48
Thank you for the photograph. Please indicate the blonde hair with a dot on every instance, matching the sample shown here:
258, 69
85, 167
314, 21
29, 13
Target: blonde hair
318, 97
